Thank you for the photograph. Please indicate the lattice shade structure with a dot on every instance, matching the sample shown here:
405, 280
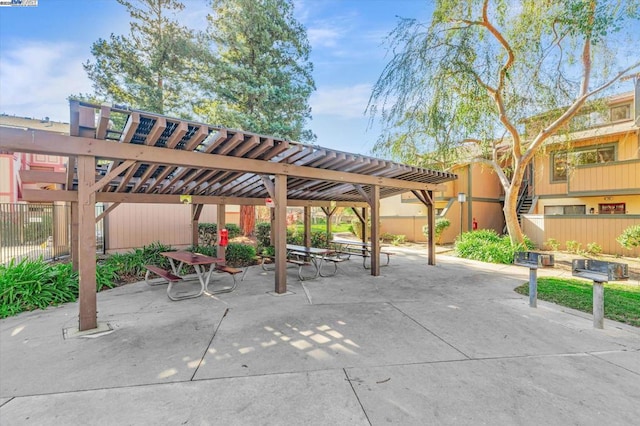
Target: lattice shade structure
143, 128
117, 155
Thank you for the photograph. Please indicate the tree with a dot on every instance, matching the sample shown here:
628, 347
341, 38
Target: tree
151, 68
260, 79
481, 68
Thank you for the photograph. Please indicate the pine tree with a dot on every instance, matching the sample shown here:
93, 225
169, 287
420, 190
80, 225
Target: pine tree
150, 68
260, 79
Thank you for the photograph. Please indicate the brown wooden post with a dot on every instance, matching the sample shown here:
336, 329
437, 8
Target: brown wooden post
375, 230
280, 233
307, 226
431, 239
221, 222
88, 318
364, 220
74, 235
196, 209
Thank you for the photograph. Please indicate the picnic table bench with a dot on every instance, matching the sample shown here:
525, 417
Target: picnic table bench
347, 248
199, 262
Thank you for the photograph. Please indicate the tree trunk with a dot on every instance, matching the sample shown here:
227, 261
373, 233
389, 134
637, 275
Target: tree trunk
247, 220
511, 205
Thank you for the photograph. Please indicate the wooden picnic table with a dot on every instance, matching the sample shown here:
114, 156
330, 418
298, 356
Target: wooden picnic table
199, 263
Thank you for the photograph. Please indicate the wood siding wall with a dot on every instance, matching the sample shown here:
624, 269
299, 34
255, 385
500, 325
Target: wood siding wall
587, 229
130, 226
618, 177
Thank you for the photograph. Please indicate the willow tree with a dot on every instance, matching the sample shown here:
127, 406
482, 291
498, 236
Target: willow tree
259, 79
481, 68
151, 68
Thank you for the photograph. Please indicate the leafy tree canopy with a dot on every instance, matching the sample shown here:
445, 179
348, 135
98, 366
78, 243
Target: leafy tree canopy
260, 77
480, 69
152, 67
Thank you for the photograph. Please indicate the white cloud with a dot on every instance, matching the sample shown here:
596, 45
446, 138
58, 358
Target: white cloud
343, 102
326, 37
37, 77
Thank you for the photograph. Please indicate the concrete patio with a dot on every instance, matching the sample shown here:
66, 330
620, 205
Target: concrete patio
450, 344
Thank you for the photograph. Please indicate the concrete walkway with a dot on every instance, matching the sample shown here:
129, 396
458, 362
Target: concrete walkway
450, 344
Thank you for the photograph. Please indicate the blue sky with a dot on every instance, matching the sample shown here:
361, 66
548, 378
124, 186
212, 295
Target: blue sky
42, 50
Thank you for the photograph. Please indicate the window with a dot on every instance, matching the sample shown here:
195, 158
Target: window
612, 208
559, 210
562, 161
621, 112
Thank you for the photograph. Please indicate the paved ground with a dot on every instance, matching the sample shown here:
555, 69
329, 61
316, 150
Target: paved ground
450, 344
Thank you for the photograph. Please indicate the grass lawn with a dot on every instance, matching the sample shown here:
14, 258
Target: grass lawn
621, 303
321, 227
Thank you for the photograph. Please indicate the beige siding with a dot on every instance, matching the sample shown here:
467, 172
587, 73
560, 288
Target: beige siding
619, 176
409, 226
130, 226
602, 230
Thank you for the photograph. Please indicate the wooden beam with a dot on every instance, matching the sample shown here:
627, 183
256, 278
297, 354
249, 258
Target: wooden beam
269, 185
71, 168
106, 212
45, 196
280, 233
97, 186
38, 176
307, 226
130, 128
177, 135
201, 134
19, 140
87, 243
375, 230
221, 222
196, 210
103, 121
156, 131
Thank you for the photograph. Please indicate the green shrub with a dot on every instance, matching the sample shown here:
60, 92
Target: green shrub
240, 254
630, 237
594, 249
208, 234
263, 234
130, 265
487, 246
35, 284
234, 230
552, 244
398, 239
573, 246
442, 223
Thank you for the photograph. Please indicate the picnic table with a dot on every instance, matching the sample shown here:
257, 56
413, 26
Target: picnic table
347, 248
302, 256
199, 263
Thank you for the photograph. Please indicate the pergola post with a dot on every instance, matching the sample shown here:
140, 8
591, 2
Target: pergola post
426, 198
431, 217
74, 235
88, 318
279, 234
221, 222
375, 230
307, 226
196, 209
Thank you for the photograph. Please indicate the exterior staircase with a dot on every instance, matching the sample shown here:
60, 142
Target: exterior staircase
525, 205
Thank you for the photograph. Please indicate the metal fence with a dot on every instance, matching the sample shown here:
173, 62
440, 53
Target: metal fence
39, 230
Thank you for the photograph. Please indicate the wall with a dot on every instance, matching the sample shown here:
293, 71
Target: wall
130, 226
584, 229
7, 186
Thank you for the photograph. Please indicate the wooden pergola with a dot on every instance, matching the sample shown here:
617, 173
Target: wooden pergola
118, 155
